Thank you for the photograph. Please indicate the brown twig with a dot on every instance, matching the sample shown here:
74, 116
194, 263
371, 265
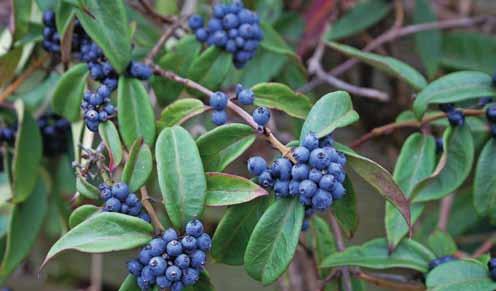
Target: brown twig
160, 43
388, 128
389, 283
444, 212
147, 8
96, 272
18, 82
145, 200
485, 247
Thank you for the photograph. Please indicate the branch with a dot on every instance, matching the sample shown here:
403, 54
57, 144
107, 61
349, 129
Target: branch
444, 212
485, 247
158, 46
18, 82
146, 8
388, 283
145, 200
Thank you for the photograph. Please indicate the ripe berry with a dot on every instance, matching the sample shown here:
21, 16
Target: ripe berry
145, 255
91, 115
103, 91
198, 259
321, 200
174, 248
220, 38
143, 215
177, 286
265, 179
307, 188
106, 194
310, 141
158, 265
49, 18
439, 145
456, 118
491, 264
282, 168
301, 154
300, 172
120, 191
230, 21
294, 188
194, 228
305, 225
256, 165
319, 159
204, 242
112, 205
246, 97
169, 235
218, 100
214, 25
219, 117
134, 267
446, 107
201, 34
182, 261
132, 200
281, 188
261, 116
485, 100
327, 182
135, 210
327, 141
190, 276
315, 175
163, 282
173, 273
143, 284
336, 170
491, 113
189, 243
195, 22
218, 10
148, 275
157, 246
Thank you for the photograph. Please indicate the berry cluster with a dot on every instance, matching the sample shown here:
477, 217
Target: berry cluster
439, 261
171, 261
455, 116
491, 117
232, 28
219, 100
317, 177
55, 132
492, 268
51, 38
118, 199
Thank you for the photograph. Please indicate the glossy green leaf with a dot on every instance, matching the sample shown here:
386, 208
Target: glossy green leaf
281, 97
226, 189
21, 17
64, 13
25, 224
46, 4
429, 42
86, 189
135, 112
27, 155
110, 137
234, 230
345, 210
176, 112
106, 23
452, 169
485, 180
274, 240
466, 275
129, 284
210, 68
224, 144
375, 255
441, 243
333, 110
104, 232
68, 93
324, 242
180, 174
454, 87
362, 16
138, 167
388, 65
82, 213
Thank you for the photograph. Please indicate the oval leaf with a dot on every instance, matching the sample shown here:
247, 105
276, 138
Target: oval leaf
138, 167
135, 112
333, 110
82, 213
110, 136
345, 210
104, 232
485, 180
388, 65
180, 175
441, 243
375, 255
176, 112
222, 145
225, 189
68, 93
210, 68
281, 97
274, 240
87, 189
466, 275
325, 244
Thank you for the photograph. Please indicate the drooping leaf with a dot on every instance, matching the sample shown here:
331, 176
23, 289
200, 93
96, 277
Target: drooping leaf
454, 87
180, 174
324, 242
139, 166
135, 112
110, 136
210, 68
345, 210
104, 232
452, 169
234, 230
375, 255
226, 189
441, 243
86, 189
82, 213
333, 110
388, 65
273, 242
175, 112
428, 43
69, 92
106, 24
281, 97
224, 144
27, 155
485, 180
464, 275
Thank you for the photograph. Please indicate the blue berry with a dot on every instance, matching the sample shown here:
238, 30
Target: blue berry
190, 276
265, 179
230, 21
336, 170
304, 200
91, 115
120, 191
321, 200
92, 125
341, 159
174, 248
214, 25
135, 210
177, 286
231, 46
281, 188
220, 38
163, 282
204, 242
246, 97
492, 130
201, 34
147, 274
143, 215
338, 191
256, 165
195, 22
300, 172
327, 182
245, 16
157, 246
95, 99
446, 107
491, 264
112, 205
103, 91
301, 154
106, 194
261, 116
169, 235
145, 255
315, 175
134, 267
96, 71
307, 188
485, 100
218, 10
319, 159
310, 141
294, 188
110, 109
219, 117
439, 145
194, 228
182, 261
158, 265
198, 259
111, 83
305, 225
188, 242
232, 33
142, 284
132, 200
49, 18
173, 273
124, 208
140, 71
327, 141
282, 168
491, 113
245, 30
218, 100
102, 116
456, 118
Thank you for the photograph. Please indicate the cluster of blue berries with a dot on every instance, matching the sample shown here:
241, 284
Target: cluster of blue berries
491, 117
491, 265
455, 116
439, 261
171, 261
316, 179
118, 199
232, 28
51, 38
55, 132
219, 100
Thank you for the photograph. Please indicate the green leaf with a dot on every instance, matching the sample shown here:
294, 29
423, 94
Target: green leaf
465, 275
441, 243
234, 230
104, 232
224, 144
454, 87
485, 180
110, 136
380, 179
106, 24
203, 284
64, 13
82, 213
135, 112
210, 68
453, 168
362, 16
375, 255
226, 189
345, 210
333, 110
388, 65
180, 174
21, 17
324, 242
8, 63
274, 42
129, 284
274, 240
68, 93
176, 112
25, 224
86, 189
27, 155
429, 42
46, 4
138, 167
416, 162
281, 97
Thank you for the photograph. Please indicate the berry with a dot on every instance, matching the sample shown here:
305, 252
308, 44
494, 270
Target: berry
319, 159
282, 168
265, 179
220, 38
189, 243
120, 191
163, 282
103, 91
214, 25
294, 188
139, 71
135, 210
338, 191
158, 265
132, 200
321, 200
182, 261
327, 182
491, 264
492, 273
491, 113
190, 276
310, 141
281, 188
327, 141
485, 100
204, 242
105, 194
177, 286
112, 205
446, 107
157, 246
336, 170
256, 165
174, 248
143, 215
49, 18
142, 284
230, 21
145, 255
301, 154
218, 100
307, 188
315, 175
169, 235
300, 172
194, 228
219, 10
456, 118
261, 116
134, 267
173, 273
439, 145
195, 22
198, 259
219, 117
246, 97
305, 225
